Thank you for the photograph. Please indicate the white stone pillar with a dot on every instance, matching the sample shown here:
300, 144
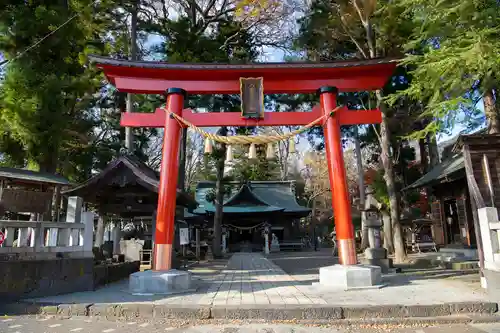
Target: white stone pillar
23, 237
68, 236
488, 216
266, 243
87, 237
9, 237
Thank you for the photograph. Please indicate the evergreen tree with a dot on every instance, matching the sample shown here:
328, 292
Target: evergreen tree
454, 54
45, 91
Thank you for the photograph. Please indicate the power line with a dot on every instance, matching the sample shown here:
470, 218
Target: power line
19, 55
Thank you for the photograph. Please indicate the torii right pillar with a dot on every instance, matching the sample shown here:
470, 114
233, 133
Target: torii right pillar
348, 274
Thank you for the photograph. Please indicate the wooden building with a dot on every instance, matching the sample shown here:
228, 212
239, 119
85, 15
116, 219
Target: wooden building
27, 196
451, 201
27, 191
249, 207
126, 187
451, 214
126, 191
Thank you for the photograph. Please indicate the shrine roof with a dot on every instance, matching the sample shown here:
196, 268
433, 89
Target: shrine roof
144, 175
446, 171
352, 71
246, 209
227, 67
251, 198
29, 176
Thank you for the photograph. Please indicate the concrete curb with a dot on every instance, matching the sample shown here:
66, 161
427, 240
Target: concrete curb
258, 312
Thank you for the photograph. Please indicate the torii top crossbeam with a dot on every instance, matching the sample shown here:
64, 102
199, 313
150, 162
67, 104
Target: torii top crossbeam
146, 77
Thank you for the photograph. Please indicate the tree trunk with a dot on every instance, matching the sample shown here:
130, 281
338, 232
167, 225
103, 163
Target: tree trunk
129, 135
386, 156
361, 185
387, 228
181, 180
434, 158
219, 201
219, 197
424, 162
56, 204
491, 112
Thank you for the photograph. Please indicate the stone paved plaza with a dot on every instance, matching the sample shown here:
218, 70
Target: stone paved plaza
45, 324
252, 279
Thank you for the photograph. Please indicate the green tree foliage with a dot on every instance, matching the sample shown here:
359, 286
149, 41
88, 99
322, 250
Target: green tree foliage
60, 113
453, 52
244, 169
43, 94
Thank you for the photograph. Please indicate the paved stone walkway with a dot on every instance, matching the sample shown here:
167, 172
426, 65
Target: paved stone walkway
30, 324
252, 279
249, 278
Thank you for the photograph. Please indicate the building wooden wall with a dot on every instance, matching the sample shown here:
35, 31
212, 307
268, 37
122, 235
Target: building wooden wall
477, 149
458, 191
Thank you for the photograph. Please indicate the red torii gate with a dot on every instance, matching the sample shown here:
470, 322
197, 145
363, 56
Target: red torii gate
175, 80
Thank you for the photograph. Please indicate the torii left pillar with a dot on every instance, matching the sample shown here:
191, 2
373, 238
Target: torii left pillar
167, 190
163, 279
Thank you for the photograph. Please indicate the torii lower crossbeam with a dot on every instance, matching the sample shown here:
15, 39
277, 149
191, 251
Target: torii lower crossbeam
216, 119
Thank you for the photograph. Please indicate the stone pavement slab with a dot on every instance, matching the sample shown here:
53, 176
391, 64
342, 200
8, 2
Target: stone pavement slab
303, 267
250, 286
48, 324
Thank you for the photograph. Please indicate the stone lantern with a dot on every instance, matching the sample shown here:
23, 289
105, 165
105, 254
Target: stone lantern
375, 255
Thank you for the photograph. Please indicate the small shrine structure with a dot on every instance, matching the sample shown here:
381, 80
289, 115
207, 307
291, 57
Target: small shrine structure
125, 195
248, 208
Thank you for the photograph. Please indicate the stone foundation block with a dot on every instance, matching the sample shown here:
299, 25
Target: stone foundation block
492, 282
160, 282
350, 277
384, 264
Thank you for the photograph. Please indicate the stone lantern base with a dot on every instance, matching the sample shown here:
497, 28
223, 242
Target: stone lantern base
378, 257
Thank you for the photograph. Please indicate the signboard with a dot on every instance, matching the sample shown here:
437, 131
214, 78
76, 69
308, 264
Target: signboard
184, 236
252, 98
2, 238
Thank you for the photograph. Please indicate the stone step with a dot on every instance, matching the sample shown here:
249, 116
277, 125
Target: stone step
468, 311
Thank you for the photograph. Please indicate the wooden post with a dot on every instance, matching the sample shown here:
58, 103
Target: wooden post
165, 229
57, 203
477, 202
198, 249
338, 183
489, 182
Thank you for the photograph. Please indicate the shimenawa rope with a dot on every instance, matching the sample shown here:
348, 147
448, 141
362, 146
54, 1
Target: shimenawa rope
248, 140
